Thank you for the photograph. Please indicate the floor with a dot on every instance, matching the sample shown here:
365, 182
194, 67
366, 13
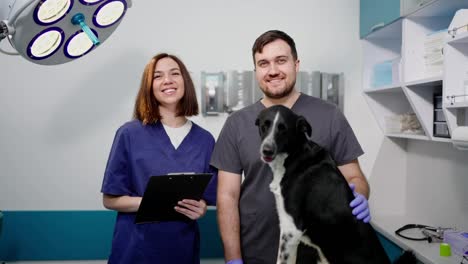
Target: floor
203, 261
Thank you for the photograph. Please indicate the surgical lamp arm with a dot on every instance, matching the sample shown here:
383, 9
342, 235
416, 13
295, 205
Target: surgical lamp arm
6, 26
5, 30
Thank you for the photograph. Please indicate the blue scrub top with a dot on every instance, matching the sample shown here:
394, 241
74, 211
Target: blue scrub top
138, 152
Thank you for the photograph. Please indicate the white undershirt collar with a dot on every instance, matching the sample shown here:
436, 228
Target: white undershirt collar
177, 134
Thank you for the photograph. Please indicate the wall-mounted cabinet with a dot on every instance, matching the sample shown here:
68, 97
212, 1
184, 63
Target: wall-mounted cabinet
410, 6
455, 96
410, 63
375, 14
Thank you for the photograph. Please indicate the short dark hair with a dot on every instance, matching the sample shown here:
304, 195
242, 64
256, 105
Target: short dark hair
271, 36
147, 107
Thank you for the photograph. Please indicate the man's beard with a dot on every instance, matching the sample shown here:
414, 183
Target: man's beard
283, 94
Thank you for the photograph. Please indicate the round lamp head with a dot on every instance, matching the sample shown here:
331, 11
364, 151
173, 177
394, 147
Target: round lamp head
110, 13
51, 11
78, 45
52, 32
45, 43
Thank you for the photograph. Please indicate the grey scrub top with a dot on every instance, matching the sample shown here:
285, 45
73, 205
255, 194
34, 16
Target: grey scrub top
238, 151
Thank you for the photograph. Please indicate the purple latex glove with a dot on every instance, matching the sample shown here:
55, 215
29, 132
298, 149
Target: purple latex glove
360, 206
235, 261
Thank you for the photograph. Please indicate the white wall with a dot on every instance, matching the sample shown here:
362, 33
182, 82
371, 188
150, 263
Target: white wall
421, 181
437, 183
58, 122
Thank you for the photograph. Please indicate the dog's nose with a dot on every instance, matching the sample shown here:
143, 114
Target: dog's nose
268, 150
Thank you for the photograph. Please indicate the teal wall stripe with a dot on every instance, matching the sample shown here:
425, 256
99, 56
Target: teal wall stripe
77, 235
87, 235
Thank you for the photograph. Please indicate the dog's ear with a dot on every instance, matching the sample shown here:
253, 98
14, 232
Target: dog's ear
303, 126
257, 122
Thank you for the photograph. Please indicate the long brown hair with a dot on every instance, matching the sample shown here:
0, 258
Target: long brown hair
147, 107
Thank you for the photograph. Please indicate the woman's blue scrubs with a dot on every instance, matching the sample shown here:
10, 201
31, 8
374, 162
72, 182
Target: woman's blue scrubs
138, 152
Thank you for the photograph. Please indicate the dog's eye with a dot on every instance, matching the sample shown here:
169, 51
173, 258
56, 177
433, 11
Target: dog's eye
281, 127
266, 125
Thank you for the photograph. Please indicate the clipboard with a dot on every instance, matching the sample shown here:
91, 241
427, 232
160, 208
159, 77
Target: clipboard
163, 192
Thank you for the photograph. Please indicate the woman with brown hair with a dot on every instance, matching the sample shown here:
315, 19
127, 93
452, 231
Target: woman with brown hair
158, 141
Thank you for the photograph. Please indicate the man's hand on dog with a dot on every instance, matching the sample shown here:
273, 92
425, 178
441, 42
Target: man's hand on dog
360, 206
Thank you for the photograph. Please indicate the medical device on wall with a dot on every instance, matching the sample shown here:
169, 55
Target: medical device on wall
234, 92
212, 93
333, 88
52, 32
309, 83
241, 90
226, 92
328, 86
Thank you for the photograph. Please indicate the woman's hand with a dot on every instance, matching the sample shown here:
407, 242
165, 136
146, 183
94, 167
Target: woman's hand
193, 209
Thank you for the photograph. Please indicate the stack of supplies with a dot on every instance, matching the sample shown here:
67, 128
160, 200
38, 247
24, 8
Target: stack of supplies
433, 54
406, 123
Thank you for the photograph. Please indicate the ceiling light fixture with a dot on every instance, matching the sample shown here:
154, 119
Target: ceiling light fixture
58, 31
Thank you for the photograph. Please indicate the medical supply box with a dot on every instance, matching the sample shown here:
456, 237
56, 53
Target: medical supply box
458, 241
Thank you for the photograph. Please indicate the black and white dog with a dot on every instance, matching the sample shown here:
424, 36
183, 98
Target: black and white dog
312, 198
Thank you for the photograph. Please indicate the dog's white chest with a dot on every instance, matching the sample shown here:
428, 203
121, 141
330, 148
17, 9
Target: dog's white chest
286, 221
290, 236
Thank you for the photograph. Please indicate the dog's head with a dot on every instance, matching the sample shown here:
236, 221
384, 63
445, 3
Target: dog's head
281, 131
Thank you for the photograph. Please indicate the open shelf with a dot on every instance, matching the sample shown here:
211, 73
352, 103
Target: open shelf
421, 97
381, 46
435, 80
385, 89
408, 135
418, 60
387, 106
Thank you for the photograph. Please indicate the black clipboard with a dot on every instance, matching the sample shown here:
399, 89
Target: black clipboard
163, 192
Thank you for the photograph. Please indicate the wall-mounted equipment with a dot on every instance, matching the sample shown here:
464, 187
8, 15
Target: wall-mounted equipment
213, 85
328, 86
333, 88
52, 32
309, 83
233, 90
241, 90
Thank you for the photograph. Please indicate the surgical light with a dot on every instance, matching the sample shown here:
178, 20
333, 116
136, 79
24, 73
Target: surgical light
58, 31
